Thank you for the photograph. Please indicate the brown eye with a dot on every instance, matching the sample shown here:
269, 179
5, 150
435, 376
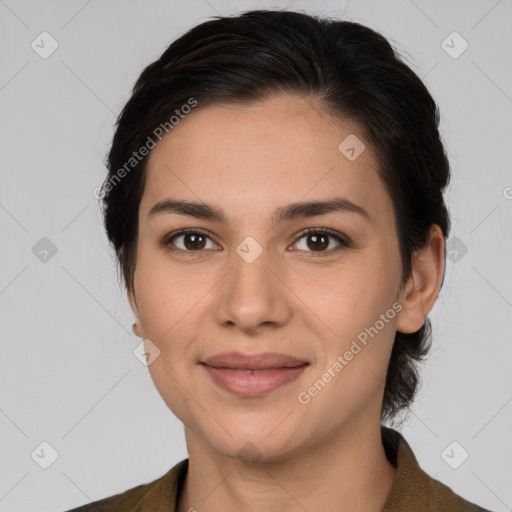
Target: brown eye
319, 240
188, 241
194, 241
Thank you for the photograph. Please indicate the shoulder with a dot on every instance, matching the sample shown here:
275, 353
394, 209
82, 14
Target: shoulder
161, 492
413, 488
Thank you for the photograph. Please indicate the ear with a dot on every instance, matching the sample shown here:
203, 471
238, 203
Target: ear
419, 293
133, 303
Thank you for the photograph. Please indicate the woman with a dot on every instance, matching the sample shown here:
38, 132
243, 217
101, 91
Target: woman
275, 199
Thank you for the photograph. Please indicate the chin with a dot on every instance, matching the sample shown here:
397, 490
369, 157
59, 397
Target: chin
257, 451
254, 441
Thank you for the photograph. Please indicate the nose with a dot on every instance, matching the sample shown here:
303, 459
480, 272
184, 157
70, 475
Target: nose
254, 296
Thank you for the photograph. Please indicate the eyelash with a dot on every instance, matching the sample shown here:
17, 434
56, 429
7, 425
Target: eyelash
343, 241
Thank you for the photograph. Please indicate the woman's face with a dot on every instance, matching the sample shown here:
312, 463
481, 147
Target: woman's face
255, 283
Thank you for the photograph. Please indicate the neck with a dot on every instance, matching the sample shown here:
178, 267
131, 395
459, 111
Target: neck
349, 472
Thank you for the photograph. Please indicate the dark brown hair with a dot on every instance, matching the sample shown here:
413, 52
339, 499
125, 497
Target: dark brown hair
352, 70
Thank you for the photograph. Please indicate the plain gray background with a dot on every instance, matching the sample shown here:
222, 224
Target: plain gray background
68, 374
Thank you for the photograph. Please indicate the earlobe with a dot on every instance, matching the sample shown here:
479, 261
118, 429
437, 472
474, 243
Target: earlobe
133, 304
420, 292
131, 300
136, 330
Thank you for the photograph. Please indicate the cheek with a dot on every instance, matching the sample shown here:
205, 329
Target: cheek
165, 295
166, 310
351, 296
354, 366
350, 301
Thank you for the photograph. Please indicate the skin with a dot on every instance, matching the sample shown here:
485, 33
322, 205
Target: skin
293, 299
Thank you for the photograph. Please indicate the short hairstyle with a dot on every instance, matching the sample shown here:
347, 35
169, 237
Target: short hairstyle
354, 73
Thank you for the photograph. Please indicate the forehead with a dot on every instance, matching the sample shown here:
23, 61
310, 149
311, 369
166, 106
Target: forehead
280, 150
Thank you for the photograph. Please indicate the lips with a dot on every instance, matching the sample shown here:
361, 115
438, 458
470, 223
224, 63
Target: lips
255, 374
263, 361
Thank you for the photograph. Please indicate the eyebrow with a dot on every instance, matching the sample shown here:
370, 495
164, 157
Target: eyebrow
286, 213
